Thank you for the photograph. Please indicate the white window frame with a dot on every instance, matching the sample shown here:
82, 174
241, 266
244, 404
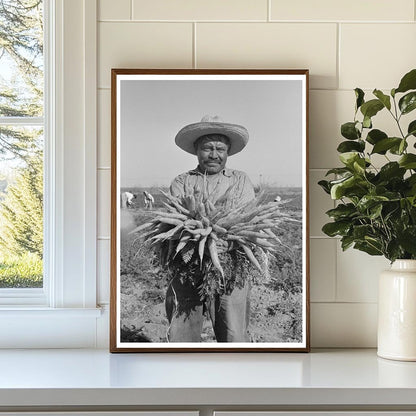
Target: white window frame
64, 313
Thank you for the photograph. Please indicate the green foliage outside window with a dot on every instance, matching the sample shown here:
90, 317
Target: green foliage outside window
21, 147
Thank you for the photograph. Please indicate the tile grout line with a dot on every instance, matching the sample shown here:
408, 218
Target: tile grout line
344, 303
194, 63
336, 272
269, 10
131, 9
308, 22
338, 64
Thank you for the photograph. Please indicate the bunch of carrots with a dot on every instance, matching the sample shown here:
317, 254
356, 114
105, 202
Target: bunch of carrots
192, 225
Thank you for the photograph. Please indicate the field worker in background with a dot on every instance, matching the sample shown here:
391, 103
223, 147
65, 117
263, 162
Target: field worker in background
149, 201
127, 199
212, 141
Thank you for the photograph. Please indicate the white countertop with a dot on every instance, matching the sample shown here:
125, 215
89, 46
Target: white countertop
96, 377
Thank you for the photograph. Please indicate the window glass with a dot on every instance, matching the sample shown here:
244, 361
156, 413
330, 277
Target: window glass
21, 143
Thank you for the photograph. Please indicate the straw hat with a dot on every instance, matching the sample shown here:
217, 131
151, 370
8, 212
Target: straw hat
187, 136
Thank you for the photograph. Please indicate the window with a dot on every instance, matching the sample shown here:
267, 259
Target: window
63, 313
22, 127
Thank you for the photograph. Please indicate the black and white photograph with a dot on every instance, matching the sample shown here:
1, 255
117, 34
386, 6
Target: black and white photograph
209, 243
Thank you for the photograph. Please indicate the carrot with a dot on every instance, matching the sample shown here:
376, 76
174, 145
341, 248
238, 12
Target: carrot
182, 243
175, 215
170, 221
251, 257
212, 248
196, 231
201, 249
211, 206
219, 229
191, 205
168, 234
141, 227
255, 234
214, 236
193, 223
201, 210
233, 237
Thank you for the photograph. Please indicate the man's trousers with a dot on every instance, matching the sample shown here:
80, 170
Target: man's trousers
229, 313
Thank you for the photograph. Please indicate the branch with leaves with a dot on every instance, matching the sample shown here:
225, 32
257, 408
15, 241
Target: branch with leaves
376, 210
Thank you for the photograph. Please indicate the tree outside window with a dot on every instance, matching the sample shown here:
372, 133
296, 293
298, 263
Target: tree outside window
21, 143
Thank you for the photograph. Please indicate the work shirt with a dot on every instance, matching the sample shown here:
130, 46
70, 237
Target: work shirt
193, 182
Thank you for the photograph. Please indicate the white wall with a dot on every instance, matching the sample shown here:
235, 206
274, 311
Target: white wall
345, 44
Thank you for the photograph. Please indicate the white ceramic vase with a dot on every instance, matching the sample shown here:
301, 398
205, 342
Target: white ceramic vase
397, 312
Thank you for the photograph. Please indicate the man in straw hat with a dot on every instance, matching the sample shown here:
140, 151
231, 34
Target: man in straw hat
212, 141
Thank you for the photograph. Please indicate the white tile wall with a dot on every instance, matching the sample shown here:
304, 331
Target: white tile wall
357, 275
344, 325
323, 269
103, 271
142, 45
200, 10
345, 44
104, 202
341, 10
328, 110
260, 45
104, 128
114, 10
389, 52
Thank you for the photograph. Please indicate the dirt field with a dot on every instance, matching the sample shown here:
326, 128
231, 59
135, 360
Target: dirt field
276, 300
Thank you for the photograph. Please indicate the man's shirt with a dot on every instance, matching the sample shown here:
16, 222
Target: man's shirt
193, 181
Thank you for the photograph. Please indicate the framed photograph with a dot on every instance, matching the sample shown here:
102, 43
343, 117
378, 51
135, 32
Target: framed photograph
209, 211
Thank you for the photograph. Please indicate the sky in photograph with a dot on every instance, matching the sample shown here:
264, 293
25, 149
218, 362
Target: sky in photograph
152, 112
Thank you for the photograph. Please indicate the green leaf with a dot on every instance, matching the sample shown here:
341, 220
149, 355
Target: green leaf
371, 108
341, 188
375, 212
359, 95
338, 171
336, 228
367, 122
408, 102
408, 161
346, 242
369, 201
393, 92
407, 240
385, 99
375, 136
349, 158
398, 149
394, 251
350, 146
411, 130
391, 170
383, 145
361, 231
342, 211
325, 186
359, 166
350, 131
369, 248
408, 82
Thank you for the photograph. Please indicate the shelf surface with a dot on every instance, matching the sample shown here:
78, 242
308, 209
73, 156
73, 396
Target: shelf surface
96, 377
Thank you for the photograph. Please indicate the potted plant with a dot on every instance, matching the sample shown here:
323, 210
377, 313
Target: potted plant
376, 206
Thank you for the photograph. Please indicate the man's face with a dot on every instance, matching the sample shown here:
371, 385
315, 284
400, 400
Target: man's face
212, 154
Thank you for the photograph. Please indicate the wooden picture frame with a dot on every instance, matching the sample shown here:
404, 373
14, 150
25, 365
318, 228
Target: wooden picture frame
179, 294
